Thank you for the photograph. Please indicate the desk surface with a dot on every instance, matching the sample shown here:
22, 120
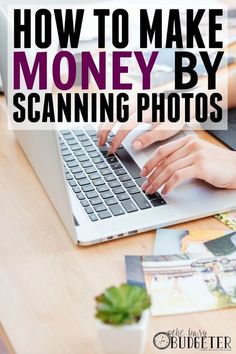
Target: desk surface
47, 285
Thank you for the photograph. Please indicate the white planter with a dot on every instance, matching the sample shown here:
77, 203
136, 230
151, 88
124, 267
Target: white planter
127, 339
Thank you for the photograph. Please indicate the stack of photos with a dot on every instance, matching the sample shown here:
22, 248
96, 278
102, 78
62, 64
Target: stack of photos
182, 283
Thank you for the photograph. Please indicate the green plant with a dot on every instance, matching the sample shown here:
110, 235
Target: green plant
122, 305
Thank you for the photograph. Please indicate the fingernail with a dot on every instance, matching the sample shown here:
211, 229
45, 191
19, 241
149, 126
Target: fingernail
137, 145
149, 190
144, 185
143, 172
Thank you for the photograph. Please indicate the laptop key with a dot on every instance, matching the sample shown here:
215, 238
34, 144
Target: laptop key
111, 201
123, 196
72, 164
120, 172
94, 175
84, 203
90, 169
63, 146
90, 148
100, 207
68, 176
96, 201
76, 169
153, 196
78, 132
102, 188
93, 217
86, 164
111, 159
91, 132
76, 148
72, 142
109, 139
82, 137
140, 181
114, 184
97, 159
68, 136
82, 158
101, 165
76, 189
116, 166
129, 184
141, 201
104, 214
129, 163
158, 202
104, 150
94, 154
88, 188
65, 131
116, 210
109, 178
129, 206
107, 194
80, 175
78, 152
118, 190
69, 158
89, 210
98, 182
66, 152
133, 190
86, 143
72, 183
80, 196
124, 178
83, 182
105, 171
94, 139
92, 194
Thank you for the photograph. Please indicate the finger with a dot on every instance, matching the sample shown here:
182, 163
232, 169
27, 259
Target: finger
104, 131
177, 155
151, 137
178, 177
121, 134
156, 179
160, 132
163, 152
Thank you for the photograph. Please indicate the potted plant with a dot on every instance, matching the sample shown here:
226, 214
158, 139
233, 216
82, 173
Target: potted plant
123, 317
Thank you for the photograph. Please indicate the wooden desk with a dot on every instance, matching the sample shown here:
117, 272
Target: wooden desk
47, 285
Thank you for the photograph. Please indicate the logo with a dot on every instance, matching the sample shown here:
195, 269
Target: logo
191, 339
162, 340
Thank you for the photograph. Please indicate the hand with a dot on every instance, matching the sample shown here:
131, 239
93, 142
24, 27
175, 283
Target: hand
159, 132
189, 157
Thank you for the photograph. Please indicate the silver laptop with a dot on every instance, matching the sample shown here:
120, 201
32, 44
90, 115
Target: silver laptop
98, 197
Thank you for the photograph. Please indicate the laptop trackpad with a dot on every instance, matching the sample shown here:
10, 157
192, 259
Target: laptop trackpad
142, 156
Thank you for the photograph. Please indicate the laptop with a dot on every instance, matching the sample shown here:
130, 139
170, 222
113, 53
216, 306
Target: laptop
98, 197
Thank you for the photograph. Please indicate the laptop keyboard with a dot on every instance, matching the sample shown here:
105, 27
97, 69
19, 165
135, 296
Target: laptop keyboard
106, 185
